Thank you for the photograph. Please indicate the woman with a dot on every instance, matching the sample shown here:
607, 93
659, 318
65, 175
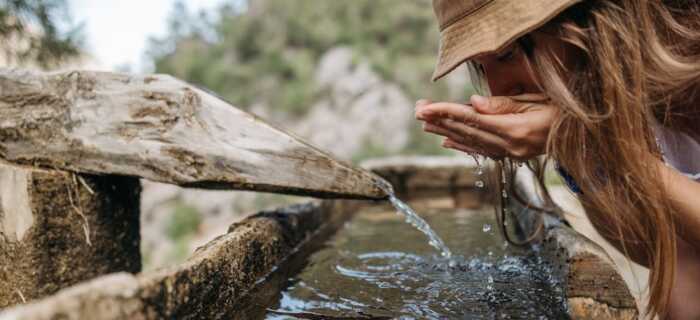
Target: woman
610, 90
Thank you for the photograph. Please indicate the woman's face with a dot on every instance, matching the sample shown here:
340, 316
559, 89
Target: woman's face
507, 71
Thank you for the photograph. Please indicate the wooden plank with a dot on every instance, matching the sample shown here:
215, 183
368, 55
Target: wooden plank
162, 129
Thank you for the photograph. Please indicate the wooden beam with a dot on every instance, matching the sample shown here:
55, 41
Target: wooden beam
162, 129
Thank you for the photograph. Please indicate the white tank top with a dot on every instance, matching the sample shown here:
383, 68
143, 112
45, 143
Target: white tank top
681, 151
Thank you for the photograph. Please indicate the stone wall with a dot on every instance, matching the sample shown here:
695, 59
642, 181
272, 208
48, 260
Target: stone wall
59, 228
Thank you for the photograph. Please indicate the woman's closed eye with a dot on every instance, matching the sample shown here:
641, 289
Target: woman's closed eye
507, 54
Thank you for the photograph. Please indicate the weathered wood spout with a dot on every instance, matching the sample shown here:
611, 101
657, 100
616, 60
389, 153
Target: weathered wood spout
162, 129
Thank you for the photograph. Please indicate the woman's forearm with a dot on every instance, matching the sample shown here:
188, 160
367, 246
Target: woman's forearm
685, 198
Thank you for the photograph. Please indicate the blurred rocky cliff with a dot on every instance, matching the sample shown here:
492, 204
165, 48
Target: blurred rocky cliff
342, 75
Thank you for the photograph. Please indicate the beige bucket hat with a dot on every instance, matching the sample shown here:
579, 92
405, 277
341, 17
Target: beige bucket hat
472, 27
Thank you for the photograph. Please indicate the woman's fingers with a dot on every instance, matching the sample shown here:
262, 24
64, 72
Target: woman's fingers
480, 104
515, 126
422, 102
436, 129
466, 114
480, 141
506, 105
445, 110
451, 144
478, 138
484, 142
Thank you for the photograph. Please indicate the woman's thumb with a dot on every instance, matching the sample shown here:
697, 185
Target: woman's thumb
505, 105
493, 105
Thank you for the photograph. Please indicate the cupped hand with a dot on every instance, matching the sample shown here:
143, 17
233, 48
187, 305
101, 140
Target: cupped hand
497, 127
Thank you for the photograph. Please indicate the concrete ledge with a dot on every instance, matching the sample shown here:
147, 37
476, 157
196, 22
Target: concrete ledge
426, 177
412, 174
593, 287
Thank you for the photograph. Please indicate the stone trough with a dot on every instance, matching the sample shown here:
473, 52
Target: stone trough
234, 275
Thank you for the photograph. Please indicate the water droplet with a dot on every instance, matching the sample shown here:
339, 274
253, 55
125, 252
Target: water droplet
504, 194
476, 159
490, 279
479, 184
486, 228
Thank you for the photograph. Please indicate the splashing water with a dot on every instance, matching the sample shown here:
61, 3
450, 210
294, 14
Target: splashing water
415, 220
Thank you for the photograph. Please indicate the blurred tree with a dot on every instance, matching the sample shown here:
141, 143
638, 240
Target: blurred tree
38, 31
267, 53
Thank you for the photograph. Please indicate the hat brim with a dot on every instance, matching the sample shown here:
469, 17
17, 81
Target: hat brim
491, 28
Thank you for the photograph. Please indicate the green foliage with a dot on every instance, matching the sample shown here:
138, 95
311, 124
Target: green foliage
184, 222
269, 52
38, 31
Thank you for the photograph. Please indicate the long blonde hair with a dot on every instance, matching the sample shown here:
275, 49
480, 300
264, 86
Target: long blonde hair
640, 66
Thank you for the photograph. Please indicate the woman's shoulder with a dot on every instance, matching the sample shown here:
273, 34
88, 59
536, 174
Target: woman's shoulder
680, 150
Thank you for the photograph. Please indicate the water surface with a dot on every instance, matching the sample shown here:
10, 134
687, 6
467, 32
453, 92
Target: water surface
379, 267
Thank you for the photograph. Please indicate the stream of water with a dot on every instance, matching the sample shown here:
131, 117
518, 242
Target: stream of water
416, 221
419, 223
